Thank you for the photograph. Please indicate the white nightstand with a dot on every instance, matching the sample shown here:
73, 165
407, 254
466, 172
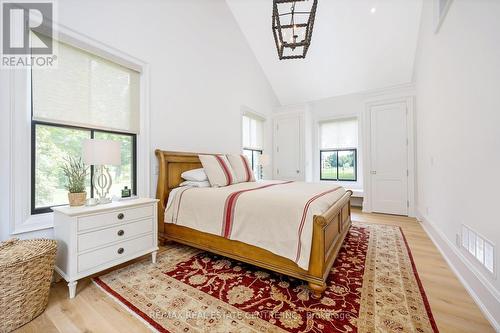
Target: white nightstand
92, 239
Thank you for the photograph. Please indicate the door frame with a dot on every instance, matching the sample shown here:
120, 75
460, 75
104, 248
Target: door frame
410, 127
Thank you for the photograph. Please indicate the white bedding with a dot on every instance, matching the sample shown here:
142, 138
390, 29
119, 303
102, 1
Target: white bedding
273, 215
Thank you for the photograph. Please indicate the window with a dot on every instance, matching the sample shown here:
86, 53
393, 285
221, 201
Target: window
338, 150
86, 96
253, 132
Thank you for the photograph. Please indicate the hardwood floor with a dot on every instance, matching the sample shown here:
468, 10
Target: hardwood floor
453, 308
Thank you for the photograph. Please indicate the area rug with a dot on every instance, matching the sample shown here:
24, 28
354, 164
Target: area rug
372, 287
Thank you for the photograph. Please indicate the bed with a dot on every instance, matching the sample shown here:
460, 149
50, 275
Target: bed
322, 234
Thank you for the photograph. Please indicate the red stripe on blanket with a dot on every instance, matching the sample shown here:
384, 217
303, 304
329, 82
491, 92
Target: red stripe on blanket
225, 169
178, 206
247, 168
227, 221
304, 214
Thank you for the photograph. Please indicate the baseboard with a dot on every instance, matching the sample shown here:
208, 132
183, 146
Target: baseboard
481, 291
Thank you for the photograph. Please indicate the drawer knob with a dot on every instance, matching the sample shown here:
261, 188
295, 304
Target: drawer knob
121, 216
121, 232
121, 250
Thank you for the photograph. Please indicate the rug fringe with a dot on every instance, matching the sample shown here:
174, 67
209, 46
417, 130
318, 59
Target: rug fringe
124, 306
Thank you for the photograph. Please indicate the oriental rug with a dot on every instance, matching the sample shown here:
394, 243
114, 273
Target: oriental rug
373, 287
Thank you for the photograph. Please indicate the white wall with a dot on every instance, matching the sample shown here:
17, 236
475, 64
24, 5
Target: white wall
4, 151
202, 71
458, 115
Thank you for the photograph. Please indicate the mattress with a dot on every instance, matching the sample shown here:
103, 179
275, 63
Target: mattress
274, 215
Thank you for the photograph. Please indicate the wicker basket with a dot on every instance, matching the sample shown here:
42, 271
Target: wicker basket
26, 268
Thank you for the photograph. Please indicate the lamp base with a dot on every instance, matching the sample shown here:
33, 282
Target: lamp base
104, 201
102, 184
95, 201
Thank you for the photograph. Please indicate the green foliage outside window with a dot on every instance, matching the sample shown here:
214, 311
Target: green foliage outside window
338, 165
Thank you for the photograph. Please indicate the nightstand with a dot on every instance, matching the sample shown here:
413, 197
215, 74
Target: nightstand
92, 239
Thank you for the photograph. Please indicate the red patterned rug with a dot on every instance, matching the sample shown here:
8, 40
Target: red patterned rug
373, 287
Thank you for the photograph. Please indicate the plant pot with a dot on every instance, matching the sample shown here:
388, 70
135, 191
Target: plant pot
77, 199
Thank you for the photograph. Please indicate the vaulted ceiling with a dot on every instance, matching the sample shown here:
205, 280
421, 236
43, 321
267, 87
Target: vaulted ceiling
357, 45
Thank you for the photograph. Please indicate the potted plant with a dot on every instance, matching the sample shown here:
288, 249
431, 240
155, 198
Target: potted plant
76, 171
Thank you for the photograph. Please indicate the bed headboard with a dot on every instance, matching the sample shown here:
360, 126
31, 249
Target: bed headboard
171, 165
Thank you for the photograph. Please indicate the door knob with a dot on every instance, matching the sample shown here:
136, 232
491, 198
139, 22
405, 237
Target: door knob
298, 171
373, 172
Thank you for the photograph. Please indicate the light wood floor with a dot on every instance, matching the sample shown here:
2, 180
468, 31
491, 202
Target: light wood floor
453, 308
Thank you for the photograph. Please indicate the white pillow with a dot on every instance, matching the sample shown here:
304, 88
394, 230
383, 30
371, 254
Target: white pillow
193, 183
241, 167
197, 175
218, 170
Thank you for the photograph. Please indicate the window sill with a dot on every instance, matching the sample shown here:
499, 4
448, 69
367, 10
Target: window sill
357, 193
35, 223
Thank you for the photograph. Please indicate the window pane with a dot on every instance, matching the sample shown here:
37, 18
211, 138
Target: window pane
53, 145
256, 164
254, 159
121, 175
248, 153
347, 164
329, 165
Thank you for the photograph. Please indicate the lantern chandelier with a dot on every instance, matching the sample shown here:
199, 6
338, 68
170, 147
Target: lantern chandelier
293, 22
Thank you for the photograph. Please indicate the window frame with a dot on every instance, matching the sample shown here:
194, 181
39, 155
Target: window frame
42, 210
337, 150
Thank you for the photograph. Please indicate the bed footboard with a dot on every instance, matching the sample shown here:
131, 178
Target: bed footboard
329, 232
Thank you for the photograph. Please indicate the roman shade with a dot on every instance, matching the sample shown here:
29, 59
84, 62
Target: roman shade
253, 131
338, 134
86, 90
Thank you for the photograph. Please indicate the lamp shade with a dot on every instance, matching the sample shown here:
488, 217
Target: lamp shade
264, 160
101, 152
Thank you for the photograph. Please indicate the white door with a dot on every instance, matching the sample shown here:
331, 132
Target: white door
287, 148
389, 158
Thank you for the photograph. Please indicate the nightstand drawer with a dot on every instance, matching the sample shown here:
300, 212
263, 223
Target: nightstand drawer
110, 235
117, 216
122, 250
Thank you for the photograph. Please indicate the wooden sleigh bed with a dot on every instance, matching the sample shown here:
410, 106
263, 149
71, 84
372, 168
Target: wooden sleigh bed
329, 230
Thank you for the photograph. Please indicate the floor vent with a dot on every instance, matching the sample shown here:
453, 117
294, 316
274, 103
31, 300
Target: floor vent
480, 248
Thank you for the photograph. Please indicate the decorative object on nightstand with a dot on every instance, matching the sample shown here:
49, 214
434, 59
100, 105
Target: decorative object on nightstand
76, 171
101, 153
126, 192
26, 269
95, 238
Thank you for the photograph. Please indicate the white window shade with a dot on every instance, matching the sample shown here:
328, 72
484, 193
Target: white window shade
342, 133
88, 91
253, 132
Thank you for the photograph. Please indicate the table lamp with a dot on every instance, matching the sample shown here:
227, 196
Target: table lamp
264, 161
100, 153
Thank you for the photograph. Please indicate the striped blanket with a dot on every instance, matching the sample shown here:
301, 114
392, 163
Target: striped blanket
274, 215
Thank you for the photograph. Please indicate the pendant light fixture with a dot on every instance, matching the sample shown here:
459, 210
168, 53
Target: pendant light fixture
293, 22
